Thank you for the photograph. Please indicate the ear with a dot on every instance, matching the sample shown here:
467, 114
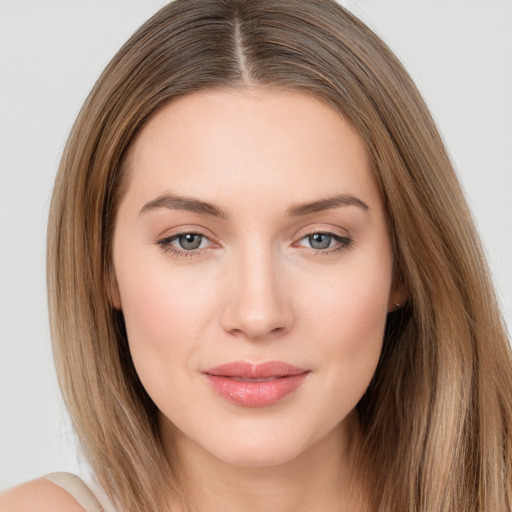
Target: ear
399, 294
113, 290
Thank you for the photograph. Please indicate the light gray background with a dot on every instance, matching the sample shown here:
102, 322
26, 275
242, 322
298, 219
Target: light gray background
458, 51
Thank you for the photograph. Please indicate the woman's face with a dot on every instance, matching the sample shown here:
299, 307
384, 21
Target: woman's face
252, 231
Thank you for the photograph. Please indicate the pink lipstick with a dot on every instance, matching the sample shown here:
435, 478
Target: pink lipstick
255, 385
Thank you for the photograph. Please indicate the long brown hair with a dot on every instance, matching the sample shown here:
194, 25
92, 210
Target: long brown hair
436, 420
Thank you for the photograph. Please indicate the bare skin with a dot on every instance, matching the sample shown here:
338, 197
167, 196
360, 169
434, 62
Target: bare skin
38, 496
327, 486
257, 287
290, 260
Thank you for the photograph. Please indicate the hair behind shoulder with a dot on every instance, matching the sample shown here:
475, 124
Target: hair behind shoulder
436, 419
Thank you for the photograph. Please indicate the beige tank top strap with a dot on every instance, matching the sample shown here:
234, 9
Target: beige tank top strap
77, 488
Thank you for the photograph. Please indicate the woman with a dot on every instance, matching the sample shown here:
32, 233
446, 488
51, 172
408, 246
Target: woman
266, 288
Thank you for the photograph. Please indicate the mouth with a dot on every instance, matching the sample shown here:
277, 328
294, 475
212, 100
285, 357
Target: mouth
248, 379
255, 385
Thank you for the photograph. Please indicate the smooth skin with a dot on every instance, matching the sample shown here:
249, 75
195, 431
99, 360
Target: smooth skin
255, 276
38, 496
252, 228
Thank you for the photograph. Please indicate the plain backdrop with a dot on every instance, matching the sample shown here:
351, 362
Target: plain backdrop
459, 52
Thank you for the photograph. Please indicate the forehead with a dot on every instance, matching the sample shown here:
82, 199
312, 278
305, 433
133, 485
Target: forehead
249, 142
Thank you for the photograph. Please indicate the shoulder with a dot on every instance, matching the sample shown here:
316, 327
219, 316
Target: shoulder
39, 495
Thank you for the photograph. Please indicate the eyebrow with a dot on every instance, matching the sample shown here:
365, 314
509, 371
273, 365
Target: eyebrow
326, 204
176, 202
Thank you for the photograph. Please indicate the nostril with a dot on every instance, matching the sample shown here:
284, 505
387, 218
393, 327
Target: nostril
258, 334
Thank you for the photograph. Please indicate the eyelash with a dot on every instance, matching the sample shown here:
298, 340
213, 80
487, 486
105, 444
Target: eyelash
342, 243
165, 244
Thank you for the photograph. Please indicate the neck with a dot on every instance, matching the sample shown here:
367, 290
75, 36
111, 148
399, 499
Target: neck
322, 478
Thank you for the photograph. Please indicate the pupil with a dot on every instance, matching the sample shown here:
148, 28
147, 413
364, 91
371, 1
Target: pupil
320, 241
190, 241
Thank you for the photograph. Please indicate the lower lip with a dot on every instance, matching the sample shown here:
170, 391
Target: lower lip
255, 394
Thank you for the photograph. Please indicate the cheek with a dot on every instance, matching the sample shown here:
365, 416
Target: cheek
348, 303
347, 318
165, 316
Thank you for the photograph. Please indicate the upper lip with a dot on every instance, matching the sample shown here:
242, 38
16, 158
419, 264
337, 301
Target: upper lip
250, 370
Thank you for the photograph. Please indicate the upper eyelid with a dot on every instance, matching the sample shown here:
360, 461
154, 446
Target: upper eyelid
184, 230
331, 230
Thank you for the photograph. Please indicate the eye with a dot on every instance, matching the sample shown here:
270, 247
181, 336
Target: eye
325, 242
183, 243
320, 240
188, 241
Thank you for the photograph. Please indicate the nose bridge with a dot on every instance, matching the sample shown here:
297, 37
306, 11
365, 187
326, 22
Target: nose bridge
258, 305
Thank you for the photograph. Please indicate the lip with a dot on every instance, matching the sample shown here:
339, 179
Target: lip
255, 385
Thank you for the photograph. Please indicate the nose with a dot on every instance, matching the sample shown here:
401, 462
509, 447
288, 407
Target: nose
258, 303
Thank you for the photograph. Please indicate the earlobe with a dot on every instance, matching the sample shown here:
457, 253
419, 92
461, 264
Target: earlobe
397, 300
394, 306
399, 294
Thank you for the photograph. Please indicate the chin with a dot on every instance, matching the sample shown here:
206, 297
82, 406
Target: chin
261, 448
258, 456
